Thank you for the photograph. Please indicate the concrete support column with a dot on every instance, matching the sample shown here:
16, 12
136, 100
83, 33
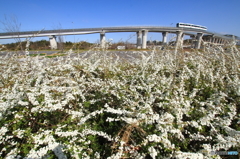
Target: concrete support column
224, 41
211, 40
220, 41
179, 39
215, 40
53, 42
199, 39
164, 38
139, 39
102, 40
192, 40
144, 39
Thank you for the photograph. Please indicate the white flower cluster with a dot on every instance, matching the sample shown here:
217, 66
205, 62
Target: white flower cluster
146, 105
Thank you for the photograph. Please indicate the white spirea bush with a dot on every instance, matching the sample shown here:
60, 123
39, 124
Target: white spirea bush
101, 105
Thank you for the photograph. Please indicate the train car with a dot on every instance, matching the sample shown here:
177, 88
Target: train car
193, 26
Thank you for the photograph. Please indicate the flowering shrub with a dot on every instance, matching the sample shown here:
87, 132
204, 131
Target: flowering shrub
149, 104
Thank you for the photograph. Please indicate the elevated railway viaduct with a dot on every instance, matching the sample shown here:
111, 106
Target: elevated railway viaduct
141, 31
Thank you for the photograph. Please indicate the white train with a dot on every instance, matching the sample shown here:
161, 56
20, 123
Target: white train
187, 25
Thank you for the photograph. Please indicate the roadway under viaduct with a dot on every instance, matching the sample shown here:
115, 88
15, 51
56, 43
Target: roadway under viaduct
141, 32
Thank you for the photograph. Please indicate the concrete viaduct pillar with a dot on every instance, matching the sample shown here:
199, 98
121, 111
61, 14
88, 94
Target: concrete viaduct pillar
164, 38
199, 39
144, 39
220, 41
193, 37
211, 39
102, 40
53, 42
139, 39
179, 39
215, 40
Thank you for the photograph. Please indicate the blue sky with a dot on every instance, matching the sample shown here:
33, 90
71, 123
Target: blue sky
221, 16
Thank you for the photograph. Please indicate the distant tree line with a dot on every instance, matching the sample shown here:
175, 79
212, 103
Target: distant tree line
37, 45
82, 45
45, 45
